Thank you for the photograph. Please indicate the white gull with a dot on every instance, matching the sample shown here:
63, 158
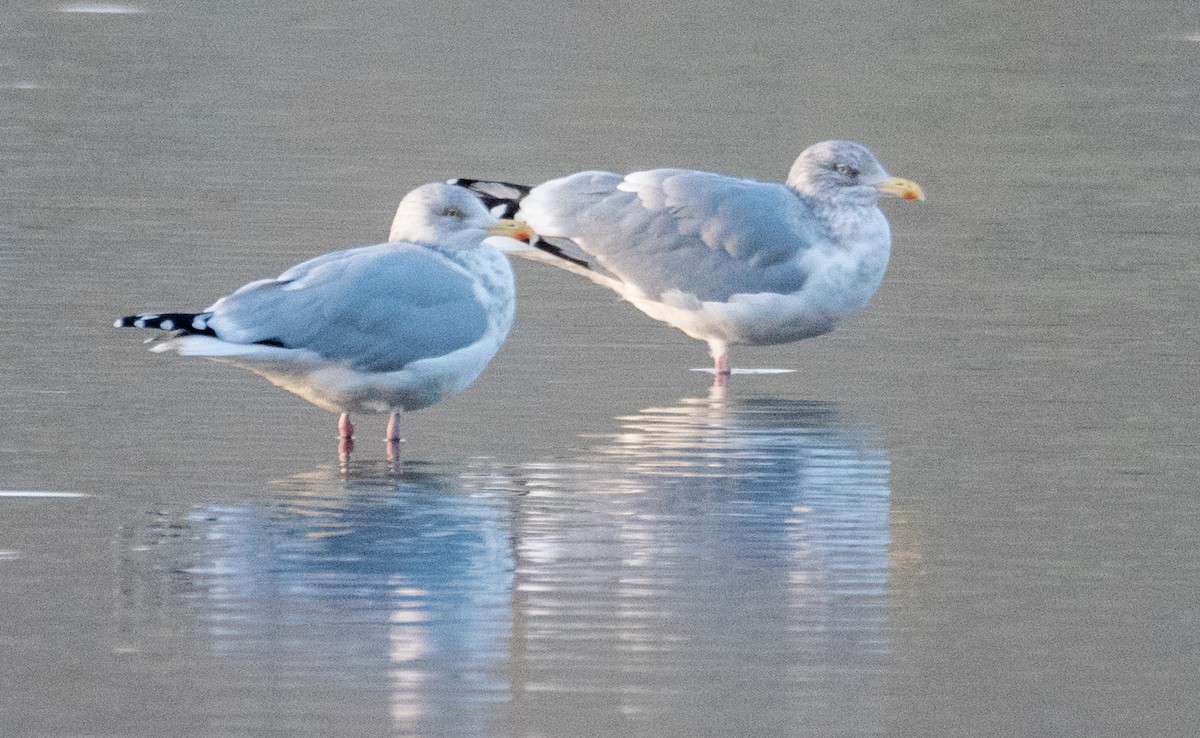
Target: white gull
726, 260
386, 328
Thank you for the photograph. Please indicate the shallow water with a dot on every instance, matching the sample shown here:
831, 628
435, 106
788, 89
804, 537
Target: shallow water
703, 542
970, 511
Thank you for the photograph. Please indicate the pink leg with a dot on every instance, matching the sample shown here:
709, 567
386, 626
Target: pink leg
345, 439
393, 428
392, 442
393, 455
721, 370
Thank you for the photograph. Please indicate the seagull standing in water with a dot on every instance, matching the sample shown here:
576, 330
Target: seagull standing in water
382, 329
725, 260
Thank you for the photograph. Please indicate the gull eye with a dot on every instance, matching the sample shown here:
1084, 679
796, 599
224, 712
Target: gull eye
846, 170
452, 212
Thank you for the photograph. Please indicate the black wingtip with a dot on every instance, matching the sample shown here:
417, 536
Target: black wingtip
503, 199
542, 244
492, 188
191, 323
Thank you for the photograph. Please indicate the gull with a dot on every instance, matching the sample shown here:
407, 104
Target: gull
724, 259
384, 329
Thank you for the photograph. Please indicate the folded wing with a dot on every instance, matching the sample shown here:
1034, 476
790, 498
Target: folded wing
705, 234
376, 308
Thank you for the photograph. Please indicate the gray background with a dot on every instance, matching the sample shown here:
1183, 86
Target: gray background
971, 511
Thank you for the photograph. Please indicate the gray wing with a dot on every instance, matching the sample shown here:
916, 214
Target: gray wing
706, 234
377, 308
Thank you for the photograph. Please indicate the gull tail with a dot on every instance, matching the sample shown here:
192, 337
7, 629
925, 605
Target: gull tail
190, 335
503, 199
191, 324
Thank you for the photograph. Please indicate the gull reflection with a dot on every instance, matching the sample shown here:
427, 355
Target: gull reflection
368, 580
713, 562
710, 562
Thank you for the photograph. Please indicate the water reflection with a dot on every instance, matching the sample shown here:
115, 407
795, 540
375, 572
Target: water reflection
368, 580
715, 562
711, 563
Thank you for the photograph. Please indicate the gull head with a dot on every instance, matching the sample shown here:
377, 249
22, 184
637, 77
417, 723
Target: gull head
451, 217
846, 172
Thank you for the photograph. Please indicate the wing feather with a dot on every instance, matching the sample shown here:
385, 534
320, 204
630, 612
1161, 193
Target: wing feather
706, 234
377, 308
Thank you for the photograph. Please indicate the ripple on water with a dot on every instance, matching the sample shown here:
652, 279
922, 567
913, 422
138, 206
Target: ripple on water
699, 545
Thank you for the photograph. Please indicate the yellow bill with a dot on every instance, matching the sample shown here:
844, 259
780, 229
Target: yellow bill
514, 229
901, 187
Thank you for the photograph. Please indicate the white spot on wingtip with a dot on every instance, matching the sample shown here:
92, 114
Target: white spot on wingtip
117, 323
199, 323
167, 325
497, 189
